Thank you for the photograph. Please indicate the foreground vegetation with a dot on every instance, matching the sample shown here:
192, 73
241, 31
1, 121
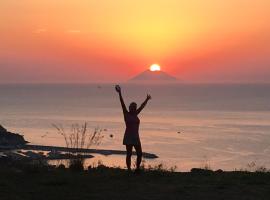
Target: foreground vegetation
40, 182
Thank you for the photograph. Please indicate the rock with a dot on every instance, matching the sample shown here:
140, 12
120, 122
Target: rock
34, 155
2, 129
15, 156
11, 140
54, 155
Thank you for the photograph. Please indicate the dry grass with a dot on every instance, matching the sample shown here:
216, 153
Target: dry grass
79, 137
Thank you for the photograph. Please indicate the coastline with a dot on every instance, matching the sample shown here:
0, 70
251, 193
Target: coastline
37, 152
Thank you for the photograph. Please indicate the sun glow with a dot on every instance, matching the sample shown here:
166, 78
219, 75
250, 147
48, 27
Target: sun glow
154, 68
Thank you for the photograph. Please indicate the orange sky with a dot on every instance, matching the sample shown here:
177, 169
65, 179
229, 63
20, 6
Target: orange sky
112, 40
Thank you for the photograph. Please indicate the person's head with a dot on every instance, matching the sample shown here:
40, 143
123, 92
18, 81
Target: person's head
133, 107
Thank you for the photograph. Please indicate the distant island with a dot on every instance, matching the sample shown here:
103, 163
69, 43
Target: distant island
154, 77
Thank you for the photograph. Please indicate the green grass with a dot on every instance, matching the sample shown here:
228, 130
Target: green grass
107, 183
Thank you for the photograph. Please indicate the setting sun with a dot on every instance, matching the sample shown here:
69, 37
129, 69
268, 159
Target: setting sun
154, 68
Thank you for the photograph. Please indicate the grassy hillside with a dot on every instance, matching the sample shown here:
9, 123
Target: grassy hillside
108, 184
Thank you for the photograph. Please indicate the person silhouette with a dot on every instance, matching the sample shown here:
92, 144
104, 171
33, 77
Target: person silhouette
131, 136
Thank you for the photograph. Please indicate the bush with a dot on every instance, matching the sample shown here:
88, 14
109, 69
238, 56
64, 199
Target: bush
79, 138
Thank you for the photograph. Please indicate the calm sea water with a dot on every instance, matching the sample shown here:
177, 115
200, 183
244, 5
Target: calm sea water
224, 126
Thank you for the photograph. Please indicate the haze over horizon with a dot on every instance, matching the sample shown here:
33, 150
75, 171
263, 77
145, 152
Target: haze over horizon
108, 41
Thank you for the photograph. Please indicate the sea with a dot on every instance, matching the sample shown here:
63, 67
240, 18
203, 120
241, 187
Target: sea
216, 126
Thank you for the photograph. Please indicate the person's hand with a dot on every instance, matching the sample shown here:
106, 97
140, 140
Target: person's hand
118, 88
148, 97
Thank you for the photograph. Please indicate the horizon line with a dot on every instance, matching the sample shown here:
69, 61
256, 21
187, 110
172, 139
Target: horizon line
132, 82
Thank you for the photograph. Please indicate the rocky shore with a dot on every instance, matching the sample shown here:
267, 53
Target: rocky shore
11, 140
13, 146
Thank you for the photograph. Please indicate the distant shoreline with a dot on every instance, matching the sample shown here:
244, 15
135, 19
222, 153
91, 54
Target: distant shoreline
105, 152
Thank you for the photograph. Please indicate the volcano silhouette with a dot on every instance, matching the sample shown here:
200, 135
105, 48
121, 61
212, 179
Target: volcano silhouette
153, 76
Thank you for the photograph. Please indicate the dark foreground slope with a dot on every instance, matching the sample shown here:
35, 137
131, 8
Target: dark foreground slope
109, 184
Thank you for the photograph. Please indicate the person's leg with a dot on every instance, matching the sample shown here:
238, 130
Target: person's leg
138, 149
128, 156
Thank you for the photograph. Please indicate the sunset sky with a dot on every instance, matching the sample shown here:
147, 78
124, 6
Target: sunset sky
113, 40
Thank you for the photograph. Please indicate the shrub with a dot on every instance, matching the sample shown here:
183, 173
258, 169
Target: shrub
79, 138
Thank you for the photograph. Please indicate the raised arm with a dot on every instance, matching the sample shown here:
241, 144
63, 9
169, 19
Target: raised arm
118, 89
143, 104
